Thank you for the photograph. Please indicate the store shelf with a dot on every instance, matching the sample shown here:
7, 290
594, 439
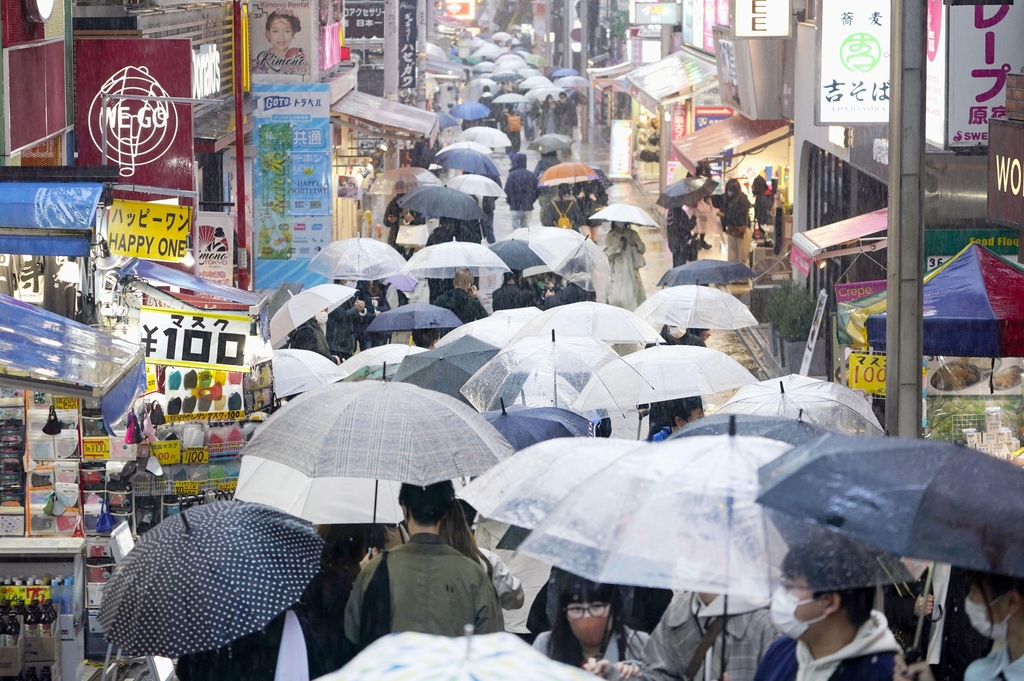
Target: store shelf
41, 546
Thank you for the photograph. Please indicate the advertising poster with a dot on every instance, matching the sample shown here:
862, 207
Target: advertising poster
622, 149
364, 20
151, 231
854, 64
215, 247
282, 39
935, 78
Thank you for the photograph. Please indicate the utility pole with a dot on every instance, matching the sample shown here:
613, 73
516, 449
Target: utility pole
585, 38
567, 35
391, 71
904, 333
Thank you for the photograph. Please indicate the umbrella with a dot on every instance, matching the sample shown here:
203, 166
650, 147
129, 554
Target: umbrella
402, 180
442, 202
474, 90
622, 212
573, 82
921, 498
357, 260
536, 60
523, 427
562, 73
447, 368
489, 137
296, 371
413, 316
546, 144
528, 72
510, 58
686, 192
508, 97
542, 92
567, 173
552, 244
534, 81
496, 330
304, 306
474, 146
389, 353
380, 431
829, 404
442, 261
526, 487
418, 657
516, 253
470, 111
436, 52
476, 185
207, 576
489, 51
586, 266
792, 431
695, 307
468, 161
445, 121
668, 372
706, 272
483, 67
594, 320
379, 372
501, 37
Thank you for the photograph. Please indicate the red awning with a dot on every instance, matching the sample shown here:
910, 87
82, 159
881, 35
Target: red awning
814, 242
720, 137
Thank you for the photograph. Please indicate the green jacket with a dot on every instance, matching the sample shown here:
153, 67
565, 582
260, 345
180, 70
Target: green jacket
434, 590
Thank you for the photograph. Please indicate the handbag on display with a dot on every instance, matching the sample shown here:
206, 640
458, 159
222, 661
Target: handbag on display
52, 425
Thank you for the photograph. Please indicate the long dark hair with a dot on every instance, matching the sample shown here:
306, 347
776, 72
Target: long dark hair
563, 645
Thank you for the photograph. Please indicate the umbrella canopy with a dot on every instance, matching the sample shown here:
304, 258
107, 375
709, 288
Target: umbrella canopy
413, 316
511, 58
470, 111
686, 192
436, 52
445, 121
496, 330
442, 202
489, 137
586, 266
567, 173
304, 306
528, 72
524, 427
534, 81
473, 146
829, 404
623, 212
391, 354
476, 185
468, 161
501, 37
357, 260
542, 92
474, 90
573, 82
595, 320
695, 307
525, 488
483, 67
706, 271
442, 261
551, 142
668, 372
790, 431
508, 97
537, 60
563, 72
402, 180
296, 371
380, 431
553, 245
207, 576
516, 253
921, 498
447, 368
489, 51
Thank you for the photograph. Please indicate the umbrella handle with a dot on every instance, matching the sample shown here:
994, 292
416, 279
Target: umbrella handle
915, 650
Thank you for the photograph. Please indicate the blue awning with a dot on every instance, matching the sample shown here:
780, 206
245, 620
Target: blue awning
44, 243
54, 205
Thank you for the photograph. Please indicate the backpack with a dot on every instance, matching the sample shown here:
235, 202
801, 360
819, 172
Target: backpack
513, 123
563, 221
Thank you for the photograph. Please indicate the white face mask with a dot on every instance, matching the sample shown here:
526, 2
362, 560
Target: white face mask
784, 605
978, 614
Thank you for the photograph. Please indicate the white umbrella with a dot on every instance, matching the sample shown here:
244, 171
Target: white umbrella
304, 306
668, 372
483, 67
586, 266
474, 146
501, 37
475, 88
402, 180
798, 397
357, 259
391, 353
511, 98
623, 212
296, 371
436, 52
534, 81
510, 58
695, 307
594, 320
441, 261
528, 72
572, 81
476, 185
496, 330
489, 137
542, 92
489, 51
552, 244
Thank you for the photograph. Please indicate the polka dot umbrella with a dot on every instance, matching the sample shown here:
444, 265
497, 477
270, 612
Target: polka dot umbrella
207, 576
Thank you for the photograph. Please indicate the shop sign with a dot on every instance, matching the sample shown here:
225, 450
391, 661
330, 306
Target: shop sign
942, 244
703, 116
1005, 173
95, 448
151, 231
364, 20
215, 247
762, 18
660, 13
859, 289
812, 338
461, 9
866, 372
622, 149
935, 74
205, 72
282, 38
854, 62
151, 141
194, 339
166, 453
407, 35
693, 23
800, 260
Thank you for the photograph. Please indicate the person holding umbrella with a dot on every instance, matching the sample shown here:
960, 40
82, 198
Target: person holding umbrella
461, 299
512, 294
521, 192
310, 336
625, 250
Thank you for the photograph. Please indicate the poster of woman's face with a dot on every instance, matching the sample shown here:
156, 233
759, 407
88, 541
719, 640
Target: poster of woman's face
281, 37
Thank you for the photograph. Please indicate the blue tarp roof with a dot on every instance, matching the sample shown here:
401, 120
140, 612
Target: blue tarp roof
43, 218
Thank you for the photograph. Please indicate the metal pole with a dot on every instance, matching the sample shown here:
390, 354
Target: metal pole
585, 10
241, 227
567, 35
391, 72
906, 219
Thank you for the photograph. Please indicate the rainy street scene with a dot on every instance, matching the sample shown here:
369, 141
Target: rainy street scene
512, 340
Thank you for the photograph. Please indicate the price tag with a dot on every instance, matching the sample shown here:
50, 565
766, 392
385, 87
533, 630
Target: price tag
186, 487
195, 455
151, 384
866, 372
65, 403
166, 452
205, 376
228, 486
96, 448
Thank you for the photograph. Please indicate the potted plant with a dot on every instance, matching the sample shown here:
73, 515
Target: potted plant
790, 311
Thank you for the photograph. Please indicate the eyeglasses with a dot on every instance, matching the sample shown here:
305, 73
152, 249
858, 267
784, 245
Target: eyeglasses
578, 612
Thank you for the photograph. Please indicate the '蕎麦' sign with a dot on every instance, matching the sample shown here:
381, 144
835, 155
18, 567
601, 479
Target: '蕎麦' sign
853, 62
151, 231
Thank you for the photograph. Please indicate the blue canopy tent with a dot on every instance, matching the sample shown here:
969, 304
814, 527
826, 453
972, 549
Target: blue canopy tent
53, 218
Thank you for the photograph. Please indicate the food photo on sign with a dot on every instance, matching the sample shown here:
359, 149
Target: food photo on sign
282, 38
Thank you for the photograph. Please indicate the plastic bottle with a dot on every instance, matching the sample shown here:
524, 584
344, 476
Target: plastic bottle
56, 593
3, 631
68, 606
46, 674
13, 630
31, 675
47, 620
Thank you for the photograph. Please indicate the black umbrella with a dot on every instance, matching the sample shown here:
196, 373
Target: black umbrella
447, 368
706, 272
686, 192
523, 427
930, 500
790, 431
414, 316
442, 202
207, 576
551, 142
516, 253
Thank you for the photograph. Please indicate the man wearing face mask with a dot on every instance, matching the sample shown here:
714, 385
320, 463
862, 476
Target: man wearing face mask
831, 631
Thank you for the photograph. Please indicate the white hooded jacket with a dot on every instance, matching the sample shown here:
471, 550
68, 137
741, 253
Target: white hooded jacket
873, 637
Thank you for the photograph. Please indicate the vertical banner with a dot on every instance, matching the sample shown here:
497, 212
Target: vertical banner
283, 38
854, 63
215, 247
622, 149
407, 36
291, 181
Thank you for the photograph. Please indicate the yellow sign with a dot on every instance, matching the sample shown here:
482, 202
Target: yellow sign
151, 384
96, 448
186, 487
195, 455
166, 452
866, 372
65, 403
206, 416
153, 231
228, 486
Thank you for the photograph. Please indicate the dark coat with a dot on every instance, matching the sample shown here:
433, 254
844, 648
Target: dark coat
546, 161
310, 336
393, 220
736, 210
521, 185
565, 115
511, 297
345, 326
779, 664
570, 293
681, 241
466, 307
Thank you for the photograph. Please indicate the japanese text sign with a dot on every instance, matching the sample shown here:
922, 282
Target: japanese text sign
762, 18
866, 372
364, 20
854, 62
622, 149
151, 231
407, 35
202, 340
283, 38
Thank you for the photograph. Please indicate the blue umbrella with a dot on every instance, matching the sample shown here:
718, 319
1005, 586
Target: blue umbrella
468, 161
470, 111
414, 316
562, 73
523, 427
706, 272
791, 431
445, 121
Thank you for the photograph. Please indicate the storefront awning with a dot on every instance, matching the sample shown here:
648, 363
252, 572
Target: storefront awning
160, 275
683, 73
48, 218
450, 68
610, 71
614, 84
815, 241
378, 116
214, 128
720, 137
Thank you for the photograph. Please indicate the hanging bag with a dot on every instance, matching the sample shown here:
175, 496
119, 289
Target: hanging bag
52, 426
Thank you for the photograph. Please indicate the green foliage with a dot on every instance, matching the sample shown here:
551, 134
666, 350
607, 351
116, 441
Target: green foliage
791, 310
618, 23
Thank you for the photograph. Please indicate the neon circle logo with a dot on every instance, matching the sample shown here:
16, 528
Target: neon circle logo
138, 132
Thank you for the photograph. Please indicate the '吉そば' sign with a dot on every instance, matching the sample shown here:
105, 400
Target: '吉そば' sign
202, 340
854, 62
151, 231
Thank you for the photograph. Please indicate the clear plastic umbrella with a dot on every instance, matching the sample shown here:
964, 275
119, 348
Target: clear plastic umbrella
829, 404
391, 353
489, 51
304, 306
510, 98
296, 371
483, 67
496, 330
441, 261
552, 244
436, 52
528, 72
586, 266
596, 320
473, 146
477, 185
511, 58
542, 92
475, 88
403, 180
534, 81
501, 37
357, 260
621, 212
695, 307
489, 137
573, 82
